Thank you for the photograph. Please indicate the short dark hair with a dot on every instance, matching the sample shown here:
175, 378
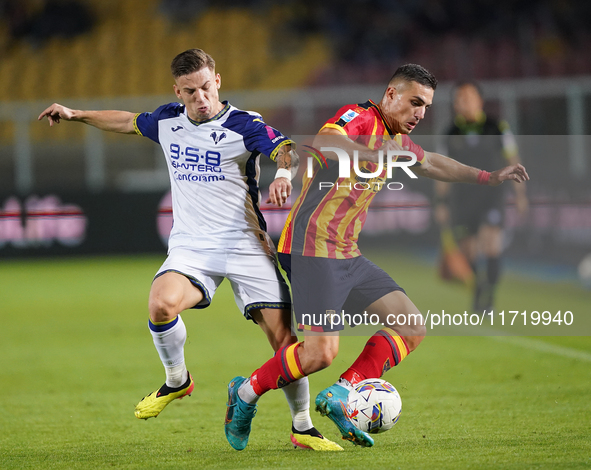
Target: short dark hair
415, 73
191, 61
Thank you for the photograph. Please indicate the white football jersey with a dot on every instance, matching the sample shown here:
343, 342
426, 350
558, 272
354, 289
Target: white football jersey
214, 174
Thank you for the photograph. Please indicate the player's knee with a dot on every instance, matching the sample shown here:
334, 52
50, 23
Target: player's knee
164, 307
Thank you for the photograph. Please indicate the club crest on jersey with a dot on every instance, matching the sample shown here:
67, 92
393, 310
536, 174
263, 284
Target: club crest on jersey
216, 138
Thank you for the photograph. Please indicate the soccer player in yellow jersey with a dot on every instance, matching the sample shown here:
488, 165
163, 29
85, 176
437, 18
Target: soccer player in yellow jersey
318, 248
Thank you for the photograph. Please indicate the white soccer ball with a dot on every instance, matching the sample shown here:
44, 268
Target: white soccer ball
374, 405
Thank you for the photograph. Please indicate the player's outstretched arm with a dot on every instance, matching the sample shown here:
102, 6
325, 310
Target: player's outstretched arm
446, 169
288, 162
113, 121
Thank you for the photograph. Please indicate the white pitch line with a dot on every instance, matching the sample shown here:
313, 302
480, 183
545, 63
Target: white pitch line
542, 346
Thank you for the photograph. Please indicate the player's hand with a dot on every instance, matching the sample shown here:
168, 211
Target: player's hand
390, 145
515, 173
55, 113
279, 191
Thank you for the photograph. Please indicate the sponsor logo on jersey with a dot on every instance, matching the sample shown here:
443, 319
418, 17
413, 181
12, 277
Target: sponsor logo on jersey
217, 137
177, 128
349, 116
196, 167
201, 178
191, 159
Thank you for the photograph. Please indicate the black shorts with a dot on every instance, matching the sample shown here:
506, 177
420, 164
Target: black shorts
468, 220
322, 288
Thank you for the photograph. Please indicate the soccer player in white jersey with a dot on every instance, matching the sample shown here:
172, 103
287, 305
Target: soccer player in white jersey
212, 151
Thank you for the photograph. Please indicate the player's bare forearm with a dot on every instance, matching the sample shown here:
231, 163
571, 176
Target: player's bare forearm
447, 169
280, 189
288, 159
113, 121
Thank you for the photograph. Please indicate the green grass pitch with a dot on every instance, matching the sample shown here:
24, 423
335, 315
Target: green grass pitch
77, 356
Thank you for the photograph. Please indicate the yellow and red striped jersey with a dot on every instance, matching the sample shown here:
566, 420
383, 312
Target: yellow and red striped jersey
326, 222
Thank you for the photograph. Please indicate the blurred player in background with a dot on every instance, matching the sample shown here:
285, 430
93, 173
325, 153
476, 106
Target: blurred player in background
476, 214
212, 150
318, 248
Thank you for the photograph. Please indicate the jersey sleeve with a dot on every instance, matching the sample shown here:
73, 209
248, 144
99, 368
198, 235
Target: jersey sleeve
146, 124
412, 147
351, 120
257, 135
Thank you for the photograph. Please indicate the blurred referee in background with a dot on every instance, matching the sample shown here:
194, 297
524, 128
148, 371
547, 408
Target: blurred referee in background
475, 213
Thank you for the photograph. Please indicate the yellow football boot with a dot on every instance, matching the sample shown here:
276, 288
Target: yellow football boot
151, 405
312, 440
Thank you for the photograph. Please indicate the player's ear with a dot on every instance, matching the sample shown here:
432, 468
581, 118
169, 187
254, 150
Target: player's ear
177, 92
391, 92
218, 80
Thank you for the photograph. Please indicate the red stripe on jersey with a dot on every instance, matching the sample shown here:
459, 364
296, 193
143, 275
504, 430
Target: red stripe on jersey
352, 232
341, 212
310, 239
333, 225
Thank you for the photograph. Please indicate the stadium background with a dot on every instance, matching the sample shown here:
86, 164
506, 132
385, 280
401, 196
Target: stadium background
71, 195
296, 63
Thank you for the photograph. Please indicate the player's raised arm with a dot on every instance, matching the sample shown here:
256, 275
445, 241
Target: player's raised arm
113, 121
288, 162
447, 169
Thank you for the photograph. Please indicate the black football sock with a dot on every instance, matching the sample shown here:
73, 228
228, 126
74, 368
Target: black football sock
309, 432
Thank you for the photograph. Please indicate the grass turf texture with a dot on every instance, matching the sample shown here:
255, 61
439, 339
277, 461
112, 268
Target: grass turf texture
77, 356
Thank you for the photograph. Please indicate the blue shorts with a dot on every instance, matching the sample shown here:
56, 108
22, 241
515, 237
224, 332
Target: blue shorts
322, 288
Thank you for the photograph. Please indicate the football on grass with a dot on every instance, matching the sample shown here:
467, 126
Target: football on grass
374, 405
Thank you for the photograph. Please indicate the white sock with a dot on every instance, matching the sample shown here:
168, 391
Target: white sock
246, 393
298, 396
176, 375
170, 343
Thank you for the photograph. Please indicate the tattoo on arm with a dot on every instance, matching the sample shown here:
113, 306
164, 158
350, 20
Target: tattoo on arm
288, 159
